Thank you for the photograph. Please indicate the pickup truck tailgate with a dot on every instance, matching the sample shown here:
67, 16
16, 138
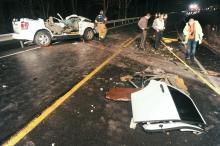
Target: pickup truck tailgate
16, 26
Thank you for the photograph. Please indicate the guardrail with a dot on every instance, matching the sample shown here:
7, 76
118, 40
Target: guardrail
110, 24
121, 22
6, 37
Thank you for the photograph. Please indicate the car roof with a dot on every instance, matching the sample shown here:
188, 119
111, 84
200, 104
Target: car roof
154, 103
74, 15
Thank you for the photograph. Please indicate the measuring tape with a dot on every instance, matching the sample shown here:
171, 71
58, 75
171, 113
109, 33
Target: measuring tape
211, 85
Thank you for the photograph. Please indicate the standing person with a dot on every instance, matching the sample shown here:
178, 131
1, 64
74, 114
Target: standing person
100, 22
158, 26
193, 35
143, 26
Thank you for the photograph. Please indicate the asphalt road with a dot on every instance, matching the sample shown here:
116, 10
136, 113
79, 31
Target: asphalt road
33, 80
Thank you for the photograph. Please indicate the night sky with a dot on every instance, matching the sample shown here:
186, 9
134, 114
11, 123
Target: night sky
10, 9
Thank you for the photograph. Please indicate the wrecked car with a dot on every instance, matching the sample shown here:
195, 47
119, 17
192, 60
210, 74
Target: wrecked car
162, 107
43, 32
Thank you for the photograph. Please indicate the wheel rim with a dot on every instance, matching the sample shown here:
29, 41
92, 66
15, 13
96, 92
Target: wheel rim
43, 39
90, 35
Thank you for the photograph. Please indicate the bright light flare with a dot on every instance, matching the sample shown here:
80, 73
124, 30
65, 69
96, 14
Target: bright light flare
193, 7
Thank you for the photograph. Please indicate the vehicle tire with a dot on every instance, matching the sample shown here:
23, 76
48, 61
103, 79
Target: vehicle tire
88, 34
43, 38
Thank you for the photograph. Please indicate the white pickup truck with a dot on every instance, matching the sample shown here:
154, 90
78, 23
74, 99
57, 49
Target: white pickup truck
43, 32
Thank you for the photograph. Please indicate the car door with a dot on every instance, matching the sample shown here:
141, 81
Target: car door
163, 107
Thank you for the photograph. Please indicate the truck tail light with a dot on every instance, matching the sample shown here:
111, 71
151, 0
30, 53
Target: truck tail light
24, 25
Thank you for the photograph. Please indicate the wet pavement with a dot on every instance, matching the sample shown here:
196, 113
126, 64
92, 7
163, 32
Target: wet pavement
31, 81
210, 60
89, 119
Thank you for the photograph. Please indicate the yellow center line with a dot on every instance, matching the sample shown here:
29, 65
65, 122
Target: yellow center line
210, 85
36, 121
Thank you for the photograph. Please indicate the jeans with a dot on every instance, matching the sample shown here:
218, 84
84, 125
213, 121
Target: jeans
191, 50
143, 39
158, 37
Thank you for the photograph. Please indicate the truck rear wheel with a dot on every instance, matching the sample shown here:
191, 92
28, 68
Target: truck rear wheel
43, 38
88, 34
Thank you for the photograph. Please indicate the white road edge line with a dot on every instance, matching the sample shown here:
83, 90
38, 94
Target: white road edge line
1, 57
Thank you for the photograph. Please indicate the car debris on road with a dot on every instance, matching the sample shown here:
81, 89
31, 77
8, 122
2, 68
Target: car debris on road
123, 94
161, 107
160, 102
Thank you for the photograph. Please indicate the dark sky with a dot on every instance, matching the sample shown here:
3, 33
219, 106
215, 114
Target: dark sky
177, 5
34, 8
10, 9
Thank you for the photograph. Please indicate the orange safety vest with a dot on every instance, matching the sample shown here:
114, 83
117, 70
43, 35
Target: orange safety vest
192, 32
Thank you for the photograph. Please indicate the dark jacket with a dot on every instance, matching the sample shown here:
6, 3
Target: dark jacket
101, 18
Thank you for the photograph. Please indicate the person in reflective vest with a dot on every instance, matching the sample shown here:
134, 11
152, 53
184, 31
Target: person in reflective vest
193, 36
101, 28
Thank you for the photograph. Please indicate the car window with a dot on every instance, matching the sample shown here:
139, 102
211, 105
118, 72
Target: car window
55, 20
74, 19
186, 109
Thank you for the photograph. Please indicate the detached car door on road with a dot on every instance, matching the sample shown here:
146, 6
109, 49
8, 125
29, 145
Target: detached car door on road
160, 107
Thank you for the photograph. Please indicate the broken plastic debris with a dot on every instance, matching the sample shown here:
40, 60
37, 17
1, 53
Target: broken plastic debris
126, 78
120, 94
101, 89
216, 113
56, 43
74, 43
124, 94
171, 49
212, 73
117, 83
53, 144
4, 86
92, 106
132, 124
154, 70
98, 78
91, 111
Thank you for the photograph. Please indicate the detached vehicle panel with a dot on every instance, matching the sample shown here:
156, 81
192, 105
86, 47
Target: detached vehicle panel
42, 32
161, 107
